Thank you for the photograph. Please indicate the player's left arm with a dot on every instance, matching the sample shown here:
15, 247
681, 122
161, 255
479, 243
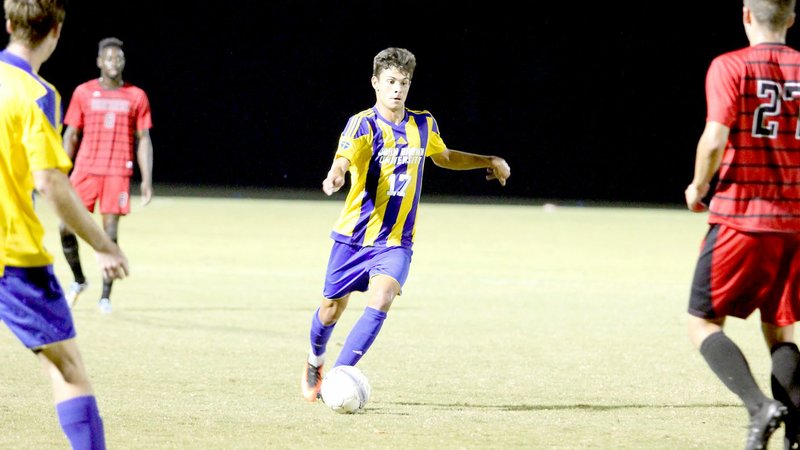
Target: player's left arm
144, 155
496, 167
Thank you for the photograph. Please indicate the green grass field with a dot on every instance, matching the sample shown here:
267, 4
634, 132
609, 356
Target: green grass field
518, 328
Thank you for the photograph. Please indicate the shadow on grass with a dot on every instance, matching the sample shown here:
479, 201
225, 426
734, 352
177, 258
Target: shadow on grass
576, 407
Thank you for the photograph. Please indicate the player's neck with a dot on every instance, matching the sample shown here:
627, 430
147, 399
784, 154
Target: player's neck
28, 54
760, 36
110, 83
393, 116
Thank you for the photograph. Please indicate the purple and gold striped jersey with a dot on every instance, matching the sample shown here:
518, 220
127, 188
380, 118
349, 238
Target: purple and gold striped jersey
386, 164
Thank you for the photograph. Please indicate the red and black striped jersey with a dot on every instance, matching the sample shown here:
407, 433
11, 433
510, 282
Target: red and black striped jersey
755, 91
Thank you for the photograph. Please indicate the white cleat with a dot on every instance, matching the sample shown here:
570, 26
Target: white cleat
74, 291
105, 306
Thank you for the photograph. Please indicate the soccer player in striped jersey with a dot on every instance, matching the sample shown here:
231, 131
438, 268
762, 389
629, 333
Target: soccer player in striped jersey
107, 117
32, 159
750, 256
384, 150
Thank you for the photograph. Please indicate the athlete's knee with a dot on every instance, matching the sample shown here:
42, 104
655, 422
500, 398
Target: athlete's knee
63, 364
699, 328
110, 225
775, 335
331, 309
381, 299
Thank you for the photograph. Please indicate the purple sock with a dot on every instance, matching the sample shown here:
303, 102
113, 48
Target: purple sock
361, 337
81, 422
320, 334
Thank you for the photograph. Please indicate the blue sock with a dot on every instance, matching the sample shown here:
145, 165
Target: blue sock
320, 334
361, 337
81, 422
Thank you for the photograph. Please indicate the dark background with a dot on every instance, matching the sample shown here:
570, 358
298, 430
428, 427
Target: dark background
597, 103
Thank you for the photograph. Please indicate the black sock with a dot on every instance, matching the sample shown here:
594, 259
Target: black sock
785, 382
729, 364
69, 243
106, 289
107, 283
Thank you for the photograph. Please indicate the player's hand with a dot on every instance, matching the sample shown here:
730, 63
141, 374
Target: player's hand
113, 263
694, 197
332, 183
147, 193
499, 171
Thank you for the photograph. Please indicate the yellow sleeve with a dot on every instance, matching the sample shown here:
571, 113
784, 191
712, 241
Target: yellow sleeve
435, 145
43, 144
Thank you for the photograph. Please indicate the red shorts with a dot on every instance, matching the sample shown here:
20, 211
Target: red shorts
739, 272
111, 192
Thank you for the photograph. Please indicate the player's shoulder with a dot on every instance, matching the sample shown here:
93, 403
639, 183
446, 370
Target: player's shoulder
730, 55
368, 113
419, 112
22, 85
789, 54
131, 86
15, 73
12, 78
133, 90
730, 62
762, 51
422, 116
360, 118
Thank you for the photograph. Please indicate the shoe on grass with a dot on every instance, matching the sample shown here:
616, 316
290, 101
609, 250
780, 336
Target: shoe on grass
74, 291
311, 382
764, 423
105, 306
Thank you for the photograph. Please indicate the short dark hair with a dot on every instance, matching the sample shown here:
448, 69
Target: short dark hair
108, 42
400, 58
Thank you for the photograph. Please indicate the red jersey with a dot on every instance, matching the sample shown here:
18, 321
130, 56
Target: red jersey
108, 119
755, 91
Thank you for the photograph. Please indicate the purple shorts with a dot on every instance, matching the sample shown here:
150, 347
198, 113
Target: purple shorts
350, 267
33, 306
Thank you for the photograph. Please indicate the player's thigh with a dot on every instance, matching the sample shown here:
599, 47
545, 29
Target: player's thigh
115, 196
734, 275
394, 263
33, 306
382, 291
787, 287
88, 187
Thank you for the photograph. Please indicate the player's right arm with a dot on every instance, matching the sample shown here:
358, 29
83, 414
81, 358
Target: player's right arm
335, 179
56, 188
707, 160
72, 138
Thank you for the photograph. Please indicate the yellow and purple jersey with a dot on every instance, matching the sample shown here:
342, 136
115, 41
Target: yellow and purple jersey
30, 140
386, 165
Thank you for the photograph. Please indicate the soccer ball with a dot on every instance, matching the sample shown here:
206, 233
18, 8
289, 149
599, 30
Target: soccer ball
345, 389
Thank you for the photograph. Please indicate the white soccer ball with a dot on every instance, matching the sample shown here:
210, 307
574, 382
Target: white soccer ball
345, 389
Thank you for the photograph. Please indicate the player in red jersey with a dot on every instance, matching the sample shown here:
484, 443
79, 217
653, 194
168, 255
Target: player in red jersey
750, 257
107, 118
